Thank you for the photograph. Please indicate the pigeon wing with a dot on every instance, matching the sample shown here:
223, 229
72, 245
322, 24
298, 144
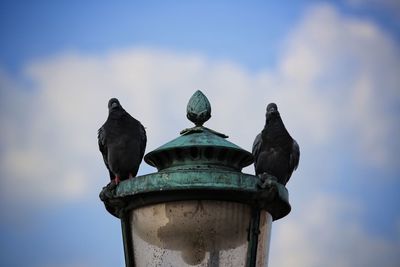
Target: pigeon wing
101, 136
294, 156
256, 149
143, 141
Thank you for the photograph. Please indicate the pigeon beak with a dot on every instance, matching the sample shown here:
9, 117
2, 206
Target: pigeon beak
114, 105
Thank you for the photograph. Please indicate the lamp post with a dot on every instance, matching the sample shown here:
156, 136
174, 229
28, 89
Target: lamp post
198, 209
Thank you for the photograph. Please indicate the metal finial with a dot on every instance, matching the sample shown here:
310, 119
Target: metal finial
198, 108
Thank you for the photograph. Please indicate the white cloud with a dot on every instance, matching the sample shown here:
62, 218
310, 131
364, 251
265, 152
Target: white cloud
326, 232
337, 77
349, 71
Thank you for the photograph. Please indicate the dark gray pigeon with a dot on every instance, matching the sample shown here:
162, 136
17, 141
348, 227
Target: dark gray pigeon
275, 152
122, 142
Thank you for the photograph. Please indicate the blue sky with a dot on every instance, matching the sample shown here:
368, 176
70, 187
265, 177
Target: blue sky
333, 68
39, 29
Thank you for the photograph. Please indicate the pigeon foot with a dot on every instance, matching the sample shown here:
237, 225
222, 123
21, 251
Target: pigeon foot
266, 180
268, 185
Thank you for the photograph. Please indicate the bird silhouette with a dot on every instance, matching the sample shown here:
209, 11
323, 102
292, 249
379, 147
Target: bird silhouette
122, 142
275, 152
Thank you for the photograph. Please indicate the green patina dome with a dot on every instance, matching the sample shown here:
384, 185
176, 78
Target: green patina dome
199, 146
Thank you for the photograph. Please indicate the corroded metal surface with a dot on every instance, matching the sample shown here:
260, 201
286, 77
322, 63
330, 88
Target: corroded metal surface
199, 184
187, 179
195, 149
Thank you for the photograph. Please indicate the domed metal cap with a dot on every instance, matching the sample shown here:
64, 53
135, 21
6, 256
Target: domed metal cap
199, 147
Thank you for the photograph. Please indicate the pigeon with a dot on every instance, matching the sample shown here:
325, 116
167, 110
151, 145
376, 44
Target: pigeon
122, 142
275, 152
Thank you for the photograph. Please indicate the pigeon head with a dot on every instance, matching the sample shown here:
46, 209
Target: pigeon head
113, 104
272, 112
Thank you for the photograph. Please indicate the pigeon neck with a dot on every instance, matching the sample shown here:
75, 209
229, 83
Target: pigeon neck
275, 128
116, 113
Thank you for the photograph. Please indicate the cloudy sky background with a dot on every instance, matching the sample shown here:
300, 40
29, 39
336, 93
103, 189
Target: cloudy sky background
333, 68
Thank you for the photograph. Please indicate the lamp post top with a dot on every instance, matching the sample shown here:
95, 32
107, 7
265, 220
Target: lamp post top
199, 164
199, 173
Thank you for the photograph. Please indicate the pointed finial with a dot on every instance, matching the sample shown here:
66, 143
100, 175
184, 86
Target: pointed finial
198, 108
